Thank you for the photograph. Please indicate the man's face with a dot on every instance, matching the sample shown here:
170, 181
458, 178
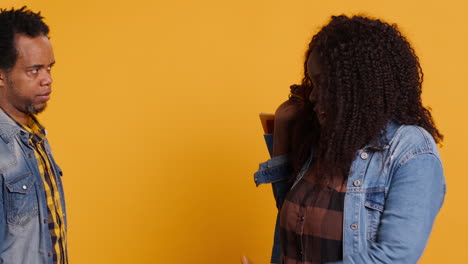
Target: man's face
27, 86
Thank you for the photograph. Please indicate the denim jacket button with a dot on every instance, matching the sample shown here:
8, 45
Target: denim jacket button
356, 183
364, 155
24, 187
354, 226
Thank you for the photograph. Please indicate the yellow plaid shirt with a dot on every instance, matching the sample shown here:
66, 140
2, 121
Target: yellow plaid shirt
54, 205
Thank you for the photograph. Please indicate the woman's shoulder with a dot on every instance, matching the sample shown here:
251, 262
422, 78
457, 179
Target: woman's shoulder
414, 136
410, 141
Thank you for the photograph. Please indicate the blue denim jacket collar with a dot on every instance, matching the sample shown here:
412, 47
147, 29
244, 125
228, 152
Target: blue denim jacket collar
9, 128
387, 135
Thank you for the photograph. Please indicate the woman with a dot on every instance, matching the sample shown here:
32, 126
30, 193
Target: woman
355, 169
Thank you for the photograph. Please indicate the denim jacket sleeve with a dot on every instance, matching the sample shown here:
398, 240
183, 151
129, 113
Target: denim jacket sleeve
415, 196
276, 171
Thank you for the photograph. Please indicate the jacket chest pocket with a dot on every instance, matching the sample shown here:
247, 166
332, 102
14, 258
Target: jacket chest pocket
20, 199
374, 207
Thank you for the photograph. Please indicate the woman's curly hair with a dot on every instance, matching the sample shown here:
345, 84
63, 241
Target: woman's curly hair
371, 76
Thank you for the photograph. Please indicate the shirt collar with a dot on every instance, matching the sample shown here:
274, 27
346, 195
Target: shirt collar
9, 127
36, 131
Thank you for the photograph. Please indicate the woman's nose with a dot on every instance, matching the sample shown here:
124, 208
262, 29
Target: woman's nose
313, 95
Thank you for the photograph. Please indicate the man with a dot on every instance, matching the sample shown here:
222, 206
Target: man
32, 205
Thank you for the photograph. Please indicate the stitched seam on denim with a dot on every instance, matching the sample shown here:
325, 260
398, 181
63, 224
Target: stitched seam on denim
365, 190
426, 139
267, 171
411, 155
426, 147
264, 177
277, 161
395, 135
375, 189
372, 206
262, 180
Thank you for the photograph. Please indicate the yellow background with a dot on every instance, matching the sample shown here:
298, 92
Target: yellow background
154, 118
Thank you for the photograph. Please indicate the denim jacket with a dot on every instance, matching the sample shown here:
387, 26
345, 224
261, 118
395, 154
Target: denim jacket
24, 232
395, 189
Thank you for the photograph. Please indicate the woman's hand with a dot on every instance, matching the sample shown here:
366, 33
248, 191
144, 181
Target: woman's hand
285, 116
245, 260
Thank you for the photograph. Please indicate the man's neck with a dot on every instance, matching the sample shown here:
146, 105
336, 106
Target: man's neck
20, 117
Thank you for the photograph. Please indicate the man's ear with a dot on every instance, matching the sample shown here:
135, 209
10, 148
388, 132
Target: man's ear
2, 78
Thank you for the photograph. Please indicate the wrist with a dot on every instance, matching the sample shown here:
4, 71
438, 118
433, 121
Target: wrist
280, 143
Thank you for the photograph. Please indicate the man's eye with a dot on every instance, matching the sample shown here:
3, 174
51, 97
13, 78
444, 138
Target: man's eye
34, 71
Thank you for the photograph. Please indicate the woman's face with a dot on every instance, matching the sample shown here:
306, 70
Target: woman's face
314, 70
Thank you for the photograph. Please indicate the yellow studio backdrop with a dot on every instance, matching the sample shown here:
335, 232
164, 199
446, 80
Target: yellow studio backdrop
154, 120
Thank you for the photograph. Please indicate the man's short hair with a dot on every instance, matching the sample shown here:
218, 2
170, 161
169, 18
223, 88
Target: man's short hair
19, 21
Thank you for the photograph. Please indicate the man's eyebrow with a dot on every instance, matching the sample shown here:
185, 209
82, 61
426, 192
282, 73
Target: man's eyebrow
38, 66
35, 66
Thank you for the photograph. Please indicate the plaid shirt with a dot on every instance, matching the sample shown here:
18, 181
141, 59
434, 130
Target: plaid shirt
311, 221
54, 206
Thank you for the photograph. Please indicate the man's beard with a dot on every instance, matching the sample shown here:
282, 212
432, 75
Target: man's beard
29, 107
33, 110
